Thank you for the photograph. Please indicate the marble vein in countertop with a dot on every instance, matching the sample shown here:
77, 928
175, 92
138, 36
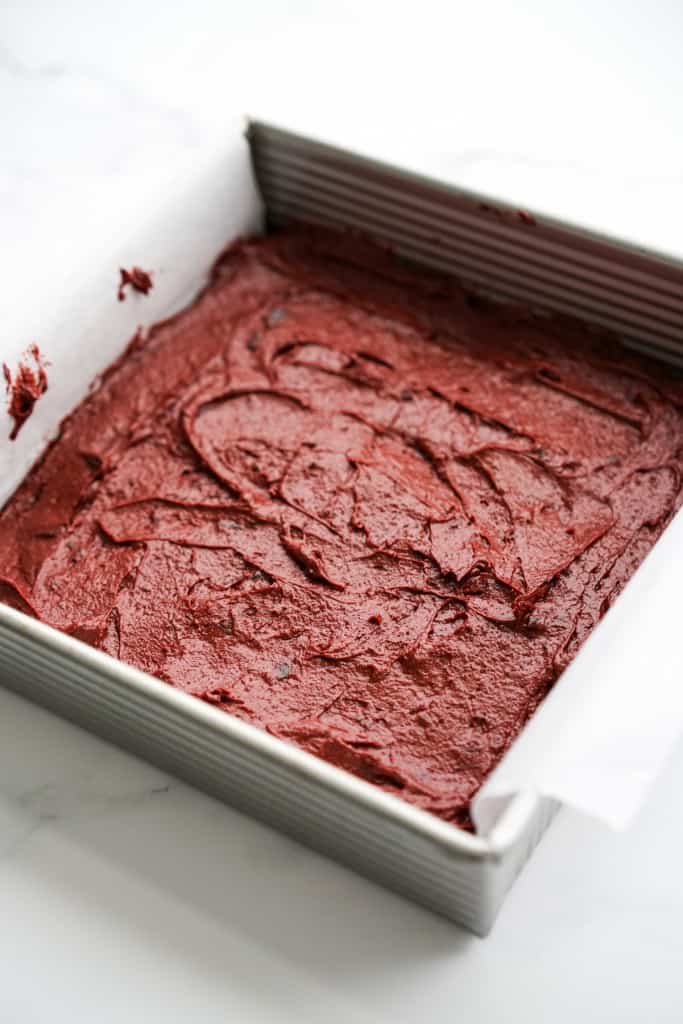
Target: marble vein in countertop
37, 807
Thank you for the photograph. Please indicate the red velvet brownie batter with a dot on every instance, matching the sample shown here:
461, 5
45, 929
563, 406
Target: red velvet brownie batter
28, 384
345, 502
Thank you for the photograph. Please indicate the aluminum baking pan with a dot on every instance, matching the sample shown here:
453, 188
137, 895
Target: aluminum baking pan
510, 253
490, 245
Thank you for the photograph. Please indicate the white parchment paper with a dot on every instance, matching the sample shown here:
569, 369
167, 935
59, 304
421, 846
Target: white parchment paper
600, 737
176, 232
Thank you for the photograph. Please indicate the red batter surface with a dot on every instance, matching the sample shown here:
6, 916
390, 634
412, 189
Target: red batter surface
24, 389
139, 280
350, 504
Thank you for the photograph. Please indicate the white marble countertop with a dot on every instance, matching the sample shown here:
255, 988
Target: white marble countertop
125, 895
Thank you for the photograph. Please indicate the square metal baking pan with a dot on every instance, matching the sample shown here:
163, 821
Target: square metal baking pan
492, 246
